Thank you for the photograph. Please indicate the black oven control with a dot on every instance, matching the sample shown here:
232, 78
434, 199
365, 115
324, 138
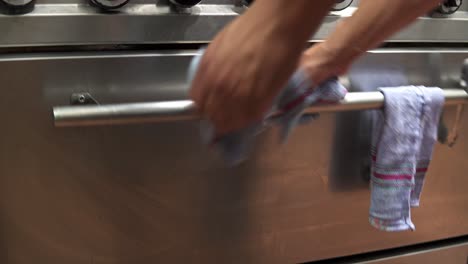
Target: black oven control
13, 7
449, 7
185, 3
342, 4
248, 2
108, 4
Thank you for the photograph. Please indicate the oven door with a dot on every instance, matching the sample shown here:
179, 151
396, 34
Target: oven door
152, 193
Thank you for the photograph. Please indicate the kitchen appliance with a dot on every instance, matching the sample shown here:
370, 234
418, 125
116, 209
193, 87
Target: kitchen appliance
101, 162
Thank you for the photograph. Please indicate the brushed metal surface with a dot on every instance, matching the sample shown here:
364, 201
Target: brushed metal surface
155, 194
150, 22
457, 254
166, 111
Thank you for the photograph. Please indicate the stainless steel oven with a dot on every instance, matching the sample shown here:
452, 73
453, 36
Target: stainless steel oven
150, 192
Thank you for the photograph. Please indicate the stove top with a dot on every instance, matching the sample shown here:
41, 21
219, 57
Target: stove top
91, 22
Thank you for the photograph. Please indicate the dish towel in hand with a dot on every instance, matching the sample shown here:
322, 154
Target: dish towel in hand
403, 138
296, 96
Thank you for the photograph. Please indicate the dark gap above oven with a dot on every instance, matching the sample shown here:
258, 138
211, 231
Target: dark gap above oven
195, 46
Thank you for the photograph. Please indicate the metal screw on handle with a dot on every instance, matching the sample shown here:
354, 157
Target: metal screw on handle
83, 99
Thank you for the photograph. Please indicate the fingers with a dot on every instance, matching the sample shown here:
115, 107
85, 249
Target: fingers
213, 91
233, 84
220, 109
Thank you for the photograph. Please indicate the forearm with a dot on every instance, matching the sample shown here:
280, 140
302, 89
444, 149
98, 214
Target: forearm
249, 62
372, 23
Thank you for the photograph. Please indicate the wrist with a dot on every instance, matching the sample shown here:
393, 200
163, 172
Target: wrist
322, 62
344, 44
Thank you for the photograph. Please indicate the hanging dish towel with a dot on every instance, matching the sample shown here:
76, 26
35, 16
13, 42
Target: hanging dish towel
403, 138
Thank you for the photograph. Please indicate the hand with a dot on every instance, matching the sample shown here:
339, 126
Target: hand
249, 62
372, 23
240, 74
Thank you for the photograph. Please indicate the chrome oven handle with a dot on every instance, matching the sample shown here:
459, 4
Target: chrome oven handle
150, 112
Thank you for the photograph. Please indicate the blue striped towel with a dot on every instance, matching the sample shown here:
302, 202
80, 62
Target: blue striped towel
403, 139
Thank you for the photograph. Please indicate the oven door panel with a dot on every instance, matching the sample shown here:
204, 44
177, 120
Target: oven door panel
152, 193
